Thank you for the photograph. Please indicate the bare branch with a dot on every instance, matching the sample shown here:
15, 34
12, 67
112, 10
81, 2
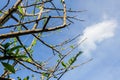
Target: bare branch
5, 17
20, 33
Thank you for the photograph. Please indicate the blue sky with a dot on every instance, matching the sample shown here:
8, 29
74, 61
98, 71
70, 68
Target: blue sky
101, 27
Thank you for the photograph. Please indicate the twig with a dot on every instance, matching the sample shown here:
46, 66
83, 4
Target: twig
5, 17
5, 5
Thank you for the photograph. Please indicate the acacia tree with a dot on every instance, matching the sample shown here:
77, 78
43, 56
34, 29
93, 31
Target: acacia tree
24, 26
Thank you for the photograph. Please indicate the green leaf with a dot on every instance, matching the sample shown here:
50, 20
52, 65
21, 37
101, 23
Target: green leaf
0, 12
34, 42
10, 51
21, 56
19, 28
73, 59
6, 45
58, 60
63, 64
27, 78
45, 74
79, 53
8, 67
15, 48
17, 51
60, 56
31, 51
18, 78
72, 46
29, 60
20, 9
55, 77
37, 6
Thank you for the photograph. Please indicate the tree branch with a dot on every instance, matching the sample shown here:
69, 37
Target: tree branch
21, 33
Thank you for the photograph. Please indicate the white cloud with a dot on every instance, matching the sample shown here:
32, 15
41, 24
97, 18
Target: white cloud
97, 33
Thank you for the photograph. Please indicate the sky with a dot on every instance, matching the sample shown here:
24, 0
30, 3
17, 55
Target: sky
101, 28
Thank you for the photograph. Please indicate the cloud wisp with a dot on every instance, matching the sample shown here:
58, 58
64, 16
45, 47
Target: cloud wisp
97, 33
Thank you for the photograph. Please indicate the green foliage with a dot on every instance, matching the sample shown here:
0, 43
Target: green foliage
34, 41
20, 9
8, 67
63, 64
73, 59
13, 49
28, 59
18, 78
26, 78
20, 56
0, 12
37, 6
72, 46
60, 56
7, 45
19, 28
45, 75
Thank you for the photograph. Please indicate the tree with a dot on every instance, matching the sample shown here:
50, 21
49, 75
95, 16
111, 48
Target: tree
24, 26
